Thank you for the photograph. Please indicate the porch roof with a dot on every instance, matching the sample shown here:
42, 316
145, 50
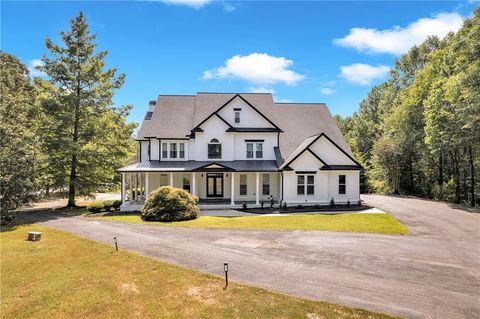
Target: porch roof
201, 166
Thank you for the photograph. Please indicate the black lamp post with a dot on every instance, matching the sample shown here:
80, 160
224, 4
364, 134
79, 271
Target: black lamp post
225, 268
115, 241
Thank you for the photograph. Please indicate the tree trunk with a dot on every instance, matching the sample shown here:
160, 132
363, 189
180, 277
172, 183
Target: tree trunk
73, 165
456, 170
472, 176
440, 170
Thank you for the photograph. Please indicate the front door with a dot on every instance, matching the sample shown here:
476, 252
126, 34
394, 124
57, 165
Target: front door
215, 185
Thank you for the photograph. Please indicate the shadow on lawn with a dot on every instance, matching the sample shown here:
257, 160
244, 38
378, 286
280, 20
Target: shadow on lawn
42, 215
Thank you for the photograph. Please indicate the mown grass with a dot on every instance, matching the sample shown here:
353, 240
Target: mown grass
65, 276
364, 223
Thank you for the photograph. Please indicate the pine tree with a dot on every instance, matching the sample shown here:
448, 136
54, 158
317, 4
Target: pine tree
87, 136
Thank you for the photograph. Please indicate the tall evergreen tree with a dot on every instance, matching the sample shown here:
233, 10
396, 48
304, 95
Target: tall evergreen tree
17, 139
86, 135
418, 132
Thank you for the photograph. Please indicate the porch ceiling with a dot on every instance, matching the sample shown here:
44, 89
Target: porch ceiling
200, 166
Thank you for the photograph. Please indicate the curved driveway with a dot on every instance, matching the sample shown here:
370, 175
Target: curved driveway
432, 273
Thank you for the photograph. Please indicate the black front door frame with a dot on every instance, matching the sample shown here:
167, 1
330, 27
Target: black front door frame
214, 176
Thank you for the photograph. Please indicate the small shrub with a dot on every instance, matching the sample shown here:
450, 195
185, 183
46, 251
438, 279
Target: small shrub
285, 206
299, 207
169, 204
116, 204
95, 207
317, 206
332, 203
261, 204
359, 202
348, 202
244, 205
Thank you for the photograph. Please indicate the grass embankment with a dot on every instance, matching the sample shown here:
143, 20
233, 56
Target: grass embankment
64, 276
364, 223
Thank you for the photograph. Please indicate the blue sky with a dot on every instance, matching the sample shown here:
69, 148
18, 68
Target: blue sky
331, 52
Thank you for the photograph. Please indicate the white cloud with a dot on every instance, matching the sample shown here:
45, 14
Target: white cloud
33, 71
228, 6
327, 91
363, 74
259, 68
196, 4
260, 89
398, 40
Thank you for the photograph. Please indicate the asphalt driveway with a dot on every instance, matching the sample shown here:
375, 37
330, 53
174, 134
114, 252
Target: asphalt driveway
432, 273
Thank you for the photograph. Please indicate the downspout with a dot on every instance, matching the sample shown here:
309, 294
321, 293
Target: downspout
140, 151
283, 187
149, 149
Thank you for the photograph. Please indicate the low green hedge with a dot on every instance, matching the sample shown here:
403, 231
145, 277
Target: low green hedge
103, 205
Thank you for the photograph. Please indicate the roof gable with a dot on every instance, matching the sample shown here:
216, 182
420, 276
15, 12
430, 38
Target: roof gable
222, 114
324, 149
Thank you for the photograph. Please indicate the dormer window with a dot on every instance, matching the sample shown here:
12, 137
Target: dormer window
237, 115
214, 149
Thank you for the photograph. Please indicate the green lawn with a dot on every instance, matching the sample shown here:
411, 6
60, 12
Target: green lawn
65, 276
365, 223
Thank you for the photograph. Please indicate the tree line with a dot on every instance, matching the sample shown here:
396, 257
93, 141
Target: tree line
419, 131
61, 132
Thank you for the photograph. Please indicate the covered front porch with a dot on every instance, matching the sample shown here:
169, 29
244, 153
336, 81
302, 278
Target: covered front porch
215, 189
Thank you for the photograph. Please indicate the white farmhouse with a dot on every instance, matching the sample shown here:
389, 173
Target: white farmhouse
229, 148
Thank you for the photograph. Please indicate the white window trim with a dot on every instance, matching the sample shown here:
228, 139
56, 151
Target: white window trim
254, 150
221, 149
340, 184
306, 184
168, 149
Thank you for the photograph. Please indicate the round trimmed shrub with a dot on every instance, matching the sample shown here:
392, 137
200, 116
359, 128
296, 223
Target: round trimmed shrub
170, 204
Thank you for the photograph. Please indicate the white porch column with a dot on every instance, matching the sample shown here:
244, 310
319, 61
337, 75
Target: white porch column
232, 193
257, 193
131, 187
123, 188
136, 186
146, 185
193, 184
171, 179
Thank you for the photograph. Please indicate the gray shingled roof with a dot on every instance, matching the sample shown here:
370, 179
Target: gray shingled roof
174, 117
187, 166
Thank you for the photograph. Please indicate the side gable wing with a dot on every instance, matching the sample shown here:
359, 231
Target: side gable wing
331, 153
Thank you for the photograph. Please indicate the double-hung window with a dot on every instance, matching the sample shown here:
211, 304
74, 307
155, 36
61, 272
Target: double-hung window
259, 150
214, 149
305, 184
243, 184
165, 150
173, 150
342, 184
254, 150
249, 150
266, 184
181, 153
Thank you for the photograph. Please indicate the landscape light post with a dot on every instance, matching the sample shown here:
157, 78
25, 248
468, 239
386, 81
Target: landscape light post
115, 241
225, 268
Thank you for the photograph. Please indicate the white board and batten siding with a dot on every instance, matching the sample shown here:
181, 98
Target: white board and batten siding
248, 116
326, 183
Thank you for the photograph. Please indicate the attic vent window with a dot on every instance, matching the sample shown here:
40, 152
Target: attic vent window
148, 116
